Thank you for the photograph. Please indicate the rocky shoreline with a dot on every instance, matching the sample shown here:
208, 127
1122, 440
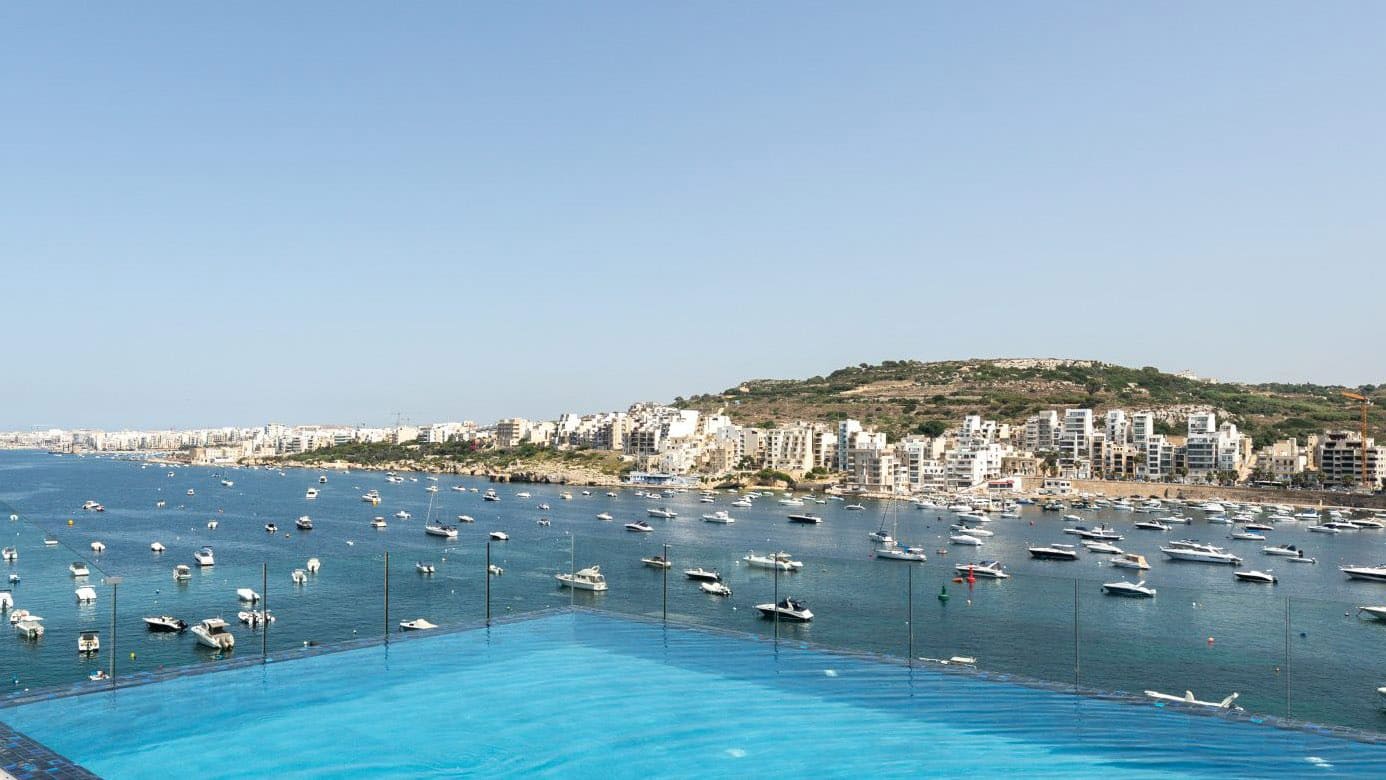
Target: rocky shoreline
545, 474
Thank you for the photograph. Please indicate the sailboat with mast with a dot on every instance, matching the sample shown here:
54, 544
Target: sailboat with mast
892, 549
434, 527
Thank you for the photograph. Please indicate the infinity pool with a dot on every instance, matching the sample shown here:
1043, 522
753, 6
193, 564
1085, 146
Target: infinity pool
577, 694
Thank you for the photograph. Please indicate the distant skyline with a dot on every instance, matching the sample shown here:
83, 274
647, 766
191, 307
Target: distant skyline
336, 212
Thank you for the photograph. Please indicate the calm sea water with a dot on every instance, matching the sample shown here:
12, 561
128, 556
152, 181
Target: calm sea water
579, 695
1295, 648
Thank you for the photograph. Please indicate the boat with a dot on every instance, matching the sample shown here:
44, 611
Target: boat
10, 554
1053, 552
212, 633
786, 609
1151, 525
29, 626
1197, 552
854, 507
459, 488
898, 552
544, 507
304, 523
590, 578
639, 526
192, 492
1099, 546
1073, 519
1131, 589
881, 536
311, 494
715, 588
499, 536
93, 506
86, 594
417, 624
1254, 575
211, 525
494, 570
1324, 528
1370, 573
98, 547
720, 516
988, 570
806, 519
298, 576
79, 569
322, 479
1101, 532
966, 540
89, 642
742, 503
522, 494
767, 562
371, 497
1188, 699
246, 594
160, 504
313, 565
1285, 550
182, 572
605, 517
1130, 561
702, 575
490, 495
431, 489
402, 515
271, 528
466, 519
50, 541
165, 624
657, 562
18, 614
1247, 536
6, 600
379, 522
1378, 612
254, 618
157, 547
440, 530
423, 567
661, 512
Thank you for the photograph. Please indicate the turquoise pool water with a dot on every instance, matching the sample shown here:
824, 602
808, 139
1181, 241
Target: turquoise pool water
584, 695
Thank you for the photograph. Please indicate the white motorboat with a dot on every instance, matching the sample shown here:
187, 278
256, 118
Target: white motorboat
165, 624
854, 507
791, 502
322, 479
971, 530
459, 488
89, 643
605, 517
767, 562
157, 547
423, 567
656, 562
98, 547
311, 494
1151, 525
440, 530
880, 536
255, 618
590, 578
1247, 536
663, 512
1130, 561
499, 536
1199, 553
720, 516
29, 626
1188, 699
1131, 589
742, 503
86, 595
379, 522
313, 565
212, 633
715, 588
1099, 546
639, 526
1371, 573
271, 528
192, 492
1100, 532
6, 600
522, 494
417, 624
898, 552
1073, 519
990, 570
1284, 550
402, 515
79, 569
1053, 552
805, 519
1213, 507
787, 609
966, 540
50, 541
298, 576
182, 572
246, 594
1254, 575
304, 523
431, 489
702, 575
1378, 612
18, 614
211, 525
494, 570
10, 554
466, 519
490, 495
93, 506
371, 497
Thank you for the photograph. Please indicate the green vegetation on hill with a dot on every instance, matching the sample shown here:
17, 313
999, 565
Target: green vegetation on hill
463, 454
905, 396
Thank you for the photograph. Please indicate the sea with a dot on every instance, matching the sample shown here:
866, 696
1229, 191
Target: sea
1297, 649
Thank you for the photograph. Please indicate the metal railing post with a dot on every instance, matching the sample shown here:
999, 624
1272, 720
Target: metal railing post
387, 596
488, 583
114, 582
1077, 646
776, 605
1287, 656
909, 602
264, 604
665, 569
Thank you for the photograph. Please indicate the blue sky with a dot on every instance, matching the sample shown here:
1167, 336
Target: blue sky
338, 211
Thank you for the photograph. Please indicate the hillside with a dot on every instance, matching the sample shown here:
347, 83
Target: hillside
901, 397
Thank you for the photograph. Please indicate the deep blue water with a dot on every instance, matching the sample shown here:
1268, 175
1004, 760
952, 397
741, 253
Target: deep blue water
580, 695
1286, 649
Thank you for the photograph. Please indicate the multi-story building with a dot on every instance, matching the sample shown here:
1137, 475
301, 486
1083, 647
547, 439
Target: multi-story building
1042, 432
1282, 461
511, 431
1075, 444
1341, 460
1142, 427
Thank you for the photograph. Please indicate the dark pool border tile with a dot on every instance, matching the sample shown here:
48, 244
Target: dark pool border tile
25, 759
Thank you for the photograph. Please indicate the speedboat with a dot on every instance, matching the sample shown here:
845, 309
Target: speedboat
1377, 612
29, 626
544, 507
702, 575
466, 519
165, 624
440, 530
657, 562
966, 540
379, 522
271, 528
715, 588
605, 517
1100, 532
1123, 588
86, 594
1151, 525
311, 494
1325, 529
522, 494
417, 624
971, 530
423, 567
639, 526
767, 562
1285, 550
1247, 536
18, 614
182, 572
720, 516
787, 609
246, 594
490, 495
192, 492
881, 536
322, 479
897, 552
255, 618
212, 633
1199, 553
371, 497
499, 536
1053, 552
313, 565
806, 519
590, 578
79, 569
6, 600
742, 503
93, 506
298, 576
494, 570
157, 547
1372, 573
402, 515
854, 507
211, 525
1188, 698
1099, 546
1253, 575
304, 523
10, 554
1073, 519
991, 570
663, 512
98, 547
1130, 561
50, 541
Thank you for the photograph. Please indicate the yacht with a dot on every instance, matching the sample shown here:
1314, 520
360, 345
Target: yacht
1099, 546
657, 562
212, 633
805, 519
702, 575
29, 626
966, 540
86, 594
79, 569
204, 557
304, 523
88, 643
787, 609
1372, 573
720, 516
1151, 525
897, 552
157, 547
1213, 507
990, 570
182, 572
379, 522
715, 588
417, 624
1325, 528
499, 536
440, 530
767, 562
1053, 552
639, 526
423, 567
605, 517
1255, 576
311, 494
1130, 561
1123, 588
590, 578
663, 512
1199, 553
371, 497
1287, 551
165, 624
271, 528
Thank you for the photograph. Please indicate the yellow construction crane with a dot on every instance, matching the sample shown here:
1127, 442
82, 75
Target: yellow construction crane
1364, 402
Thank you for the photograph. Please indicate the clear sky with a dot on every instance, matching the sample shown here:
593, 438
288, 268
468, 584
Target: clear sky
336, 211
